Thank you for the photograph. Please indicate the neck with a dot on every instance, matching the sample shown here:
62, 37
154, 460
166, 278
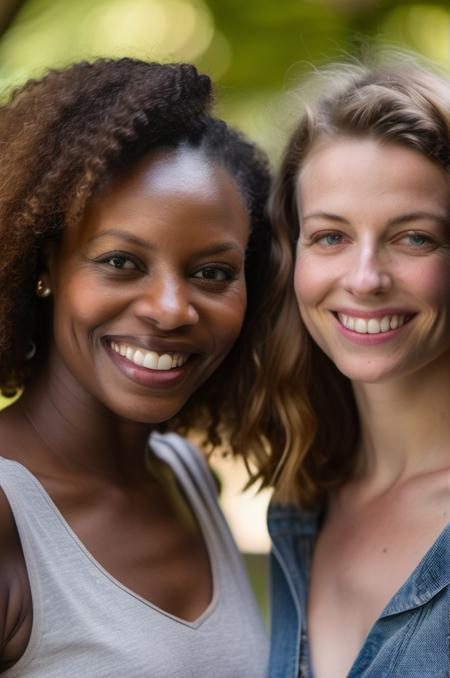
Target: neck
76, 434
405, 424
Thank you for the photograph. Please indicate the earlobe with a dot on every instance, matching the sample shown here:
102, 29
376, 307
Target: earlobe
42, 287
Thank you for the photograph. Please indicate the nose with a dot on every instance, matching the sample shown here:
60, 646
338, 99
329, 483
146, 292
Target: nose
366, 274
167, 303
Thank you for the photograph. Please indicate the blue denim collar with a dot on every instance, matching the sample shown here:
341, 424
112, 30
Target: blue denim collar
430, 577
292, 519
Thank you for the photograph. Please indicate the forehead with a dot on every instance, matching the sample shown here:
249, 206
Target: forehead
167, 187
185, 177
367, 174
184, 169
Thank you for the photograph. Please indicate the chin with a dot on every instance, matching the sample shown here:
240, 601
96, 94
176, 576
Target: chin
369, 373
145, 412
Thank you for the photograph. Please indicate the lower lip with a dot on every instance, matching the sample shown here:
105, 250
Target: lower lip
369, 339
157, 379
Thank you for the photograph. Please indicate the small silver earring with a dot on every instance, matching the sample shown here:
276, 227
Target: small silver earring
42, 290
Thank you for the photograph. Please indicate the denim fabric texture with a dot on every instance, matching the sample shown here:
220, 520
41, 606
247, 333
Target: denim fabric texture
409, 640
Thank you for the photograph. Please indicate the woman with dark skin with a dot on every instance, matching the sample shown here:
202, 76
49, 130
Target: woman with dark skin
134, 251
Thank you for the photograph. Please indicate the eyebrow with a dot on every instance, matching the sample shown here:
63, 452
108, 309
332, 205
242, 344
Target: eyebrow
402, 219
325, 215
123, 235
225, 246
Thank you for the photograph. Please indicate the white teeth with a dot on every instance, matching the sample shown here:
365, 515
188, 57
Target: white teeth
384, 325
371, 325
150, 359
165, 362
138, 358
361, 326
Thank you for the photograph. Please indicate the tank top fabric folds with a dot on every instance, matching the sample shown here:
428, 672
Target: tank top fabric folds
86, 624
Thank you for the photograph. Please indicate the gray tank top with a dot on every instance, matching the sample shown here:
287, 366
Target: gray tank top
86, 624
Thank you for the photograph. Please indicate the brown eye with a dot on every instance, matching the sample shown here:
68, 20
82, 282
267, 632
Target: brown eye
120, 261
214, 273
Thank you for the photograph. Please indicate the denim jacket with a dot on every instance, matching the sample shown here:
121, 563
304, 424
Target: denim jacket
409, 640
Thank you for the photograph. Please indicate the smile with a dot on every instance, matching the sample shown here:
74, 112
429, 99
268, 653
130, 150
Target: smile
373, 325
149, 359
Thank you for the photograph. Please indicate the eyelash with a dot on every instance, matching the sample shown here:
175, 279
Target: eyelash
331, 234
137, 266
227, 272
428, 241
318, 237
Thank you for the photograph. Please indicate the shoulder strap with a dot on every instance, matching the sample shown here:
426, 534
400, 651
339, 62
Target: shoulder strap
170, 444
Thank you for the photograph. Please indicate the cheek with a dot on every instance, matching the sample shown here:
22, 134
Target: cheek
433, 282
310, 289
306, 283
81, 304
228, 318
235, 315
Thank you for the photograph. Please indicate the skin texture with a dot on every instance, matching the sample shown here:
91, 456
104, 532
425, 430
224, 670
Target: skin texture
382, 248
177, 232
158, 263
375, 241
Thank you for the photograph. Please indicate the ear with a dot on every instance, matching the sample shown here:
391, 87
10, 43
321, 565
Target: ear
46, 273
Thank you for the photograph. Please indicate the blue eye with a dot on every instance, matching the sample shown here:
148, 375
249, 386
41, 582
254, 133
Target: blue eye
417, 241
329, 239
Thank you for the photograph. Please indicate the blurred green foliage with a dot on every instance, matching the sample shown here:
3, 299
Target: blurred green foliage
254, 50
257, 566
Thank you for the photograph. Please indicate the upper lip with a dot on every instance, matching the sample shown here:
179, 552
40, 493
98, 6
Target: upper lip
156, 344
374, 313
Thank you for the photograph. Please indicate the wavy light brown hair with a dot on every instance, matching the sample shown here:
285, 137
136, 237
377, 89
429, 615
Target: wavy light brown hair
61, 138
403, 103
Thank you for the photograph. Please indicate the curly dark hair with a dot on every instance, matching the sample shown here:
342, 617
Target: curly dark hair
64, 135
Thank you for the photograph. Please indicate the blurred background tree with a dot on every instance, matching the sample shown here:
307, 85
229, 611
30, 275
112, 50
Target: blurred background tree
255, 50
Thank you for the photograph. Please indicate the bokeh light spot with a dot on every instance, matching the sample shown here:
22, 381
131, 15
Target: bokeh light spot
425, 27
163, 29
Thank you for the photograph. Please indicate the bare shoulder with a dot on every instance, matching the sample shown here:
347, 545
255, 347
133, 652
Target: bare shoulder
443, 495
433, 489
15, 596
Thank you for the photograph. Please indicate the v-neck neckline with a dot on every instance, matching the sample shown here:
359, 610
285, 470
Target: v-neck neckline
207, 535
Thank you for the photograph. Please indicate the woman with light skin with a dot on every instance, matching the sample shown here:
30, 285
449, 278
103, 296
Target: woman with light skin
360, 515
134, 247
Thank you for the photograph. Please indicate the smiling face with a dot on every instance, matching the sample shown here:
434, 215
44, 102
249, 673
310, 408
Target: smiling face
372, 275
149, 293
